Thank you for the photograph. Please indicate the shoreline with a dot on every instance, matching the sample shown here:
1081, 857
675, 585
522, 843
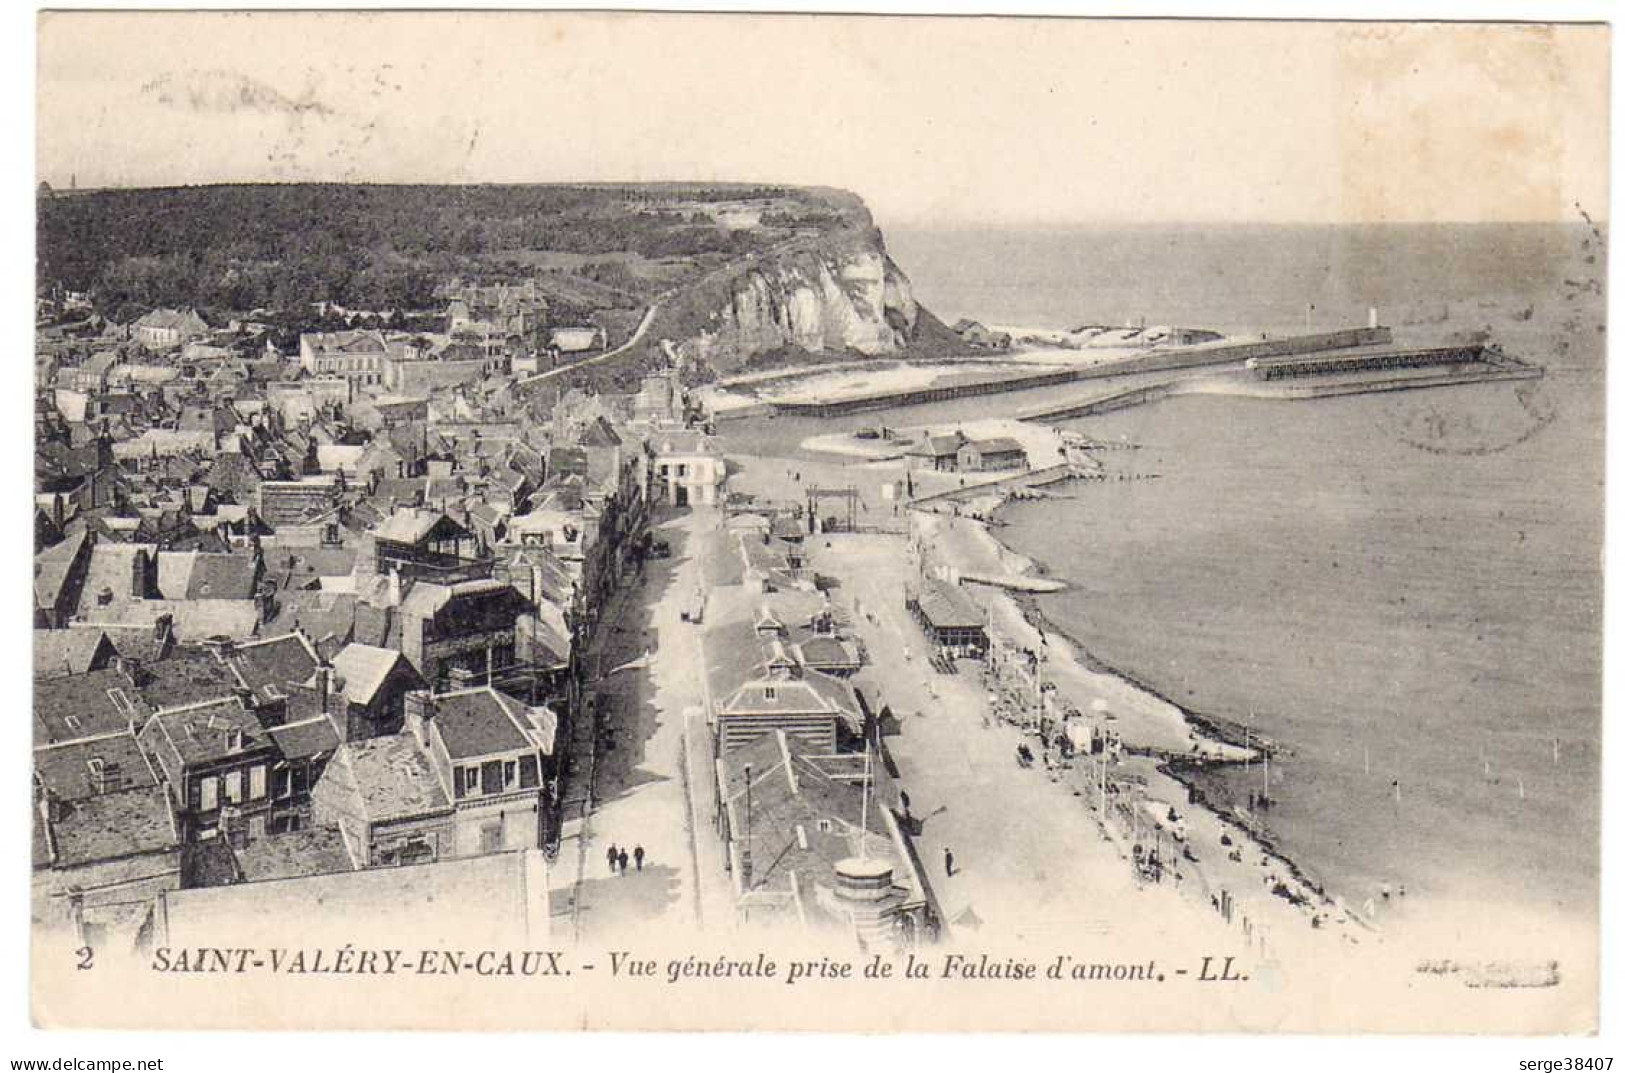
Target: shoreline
1218, 742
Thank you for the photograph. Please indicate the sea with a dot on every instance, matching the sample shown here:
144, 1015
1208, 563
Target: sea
1401, 592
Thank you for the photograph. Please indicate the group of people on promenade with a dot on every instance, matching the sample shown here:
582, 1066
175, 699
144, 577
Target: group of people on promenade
617, 858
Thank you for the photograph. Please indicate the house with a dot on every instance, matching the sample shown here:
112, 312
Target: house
59, 653
97, 857
357, 356
117, 573
416, 540
576, 340
60, 572
214, 754
984, 456
979, 335
374, 683
168, 329
689, 467
936, 452
810, 843
760, 688
294, 503
192, 575
465, 778
460, 633
952, 622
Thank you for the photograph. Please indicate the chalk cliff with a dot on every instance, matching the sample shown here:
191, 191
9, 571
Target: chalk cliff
837, 291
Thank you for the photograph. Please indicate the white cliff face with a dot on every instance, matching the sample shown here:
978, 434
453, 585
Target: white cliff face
850, 298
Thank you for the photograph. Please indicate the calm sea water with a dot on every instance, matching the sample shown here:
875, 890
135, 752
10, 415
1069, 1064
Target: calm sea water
1394, 587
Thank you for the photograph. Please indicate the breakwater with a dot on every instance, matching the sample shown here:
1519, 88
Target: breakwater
1154, 361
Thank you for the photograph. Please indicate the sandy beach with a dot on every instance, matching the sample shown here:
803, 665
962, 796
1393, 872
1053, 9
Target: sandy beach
1218, 867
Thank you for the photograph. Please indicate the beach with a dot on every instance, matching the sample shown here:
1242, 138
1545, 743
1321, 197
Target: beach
1222, 879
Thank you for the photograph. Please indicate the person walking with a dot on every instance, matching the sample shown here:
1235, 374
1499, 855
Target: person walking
621, 859
637, 855
948, 861
613, 858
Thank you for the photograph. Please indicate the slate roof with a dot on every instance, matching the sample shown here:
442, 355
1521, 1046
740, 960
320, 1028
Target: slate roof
86, 705
306, 738
285, 661
325, 617
998, 445
193, 620
364, 669
938, 446
805, 819
685, 442
197, 735
385, 779
109, 826
195, 575
53, 568
310, 851
63, 652
189, 676
67, 770
478, 722
415, 524
111, 568
819, 651
233, 474
947, 607
148, 644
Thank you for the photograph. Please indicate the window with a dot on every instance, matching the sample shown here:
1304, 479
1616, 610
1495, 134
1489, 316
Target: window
529, 775
72, 721
770, 693
256, 782
284, 823
491, 776
509, 773
209, 794
234, 786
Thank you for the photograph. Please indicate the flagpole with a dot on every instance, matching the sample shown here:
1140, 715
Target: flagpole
863, 826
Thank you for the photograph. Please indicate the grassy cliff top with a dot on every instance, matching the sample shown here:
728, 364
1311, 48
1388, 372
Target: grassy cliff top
594, 246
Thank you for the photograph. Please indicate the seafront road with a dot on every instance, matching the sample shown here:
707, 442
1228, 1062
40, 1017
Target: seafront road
1031, 864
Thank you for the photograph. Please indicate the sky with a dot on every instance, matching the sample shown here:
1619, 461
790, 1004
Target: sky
949, 121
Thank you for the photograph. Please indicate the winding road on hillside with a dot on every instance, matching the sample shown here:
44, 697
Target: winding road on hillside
654, 307
637, 337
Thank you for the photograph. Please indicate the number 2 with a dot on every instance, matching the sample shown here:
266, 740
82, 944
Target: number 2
86, 957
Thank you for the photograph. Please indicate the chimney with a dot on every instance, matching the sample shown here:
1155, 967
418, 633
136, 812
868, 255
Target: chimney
394, 587
138, 574
234, 739
324, 675
419, 714
129, 667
